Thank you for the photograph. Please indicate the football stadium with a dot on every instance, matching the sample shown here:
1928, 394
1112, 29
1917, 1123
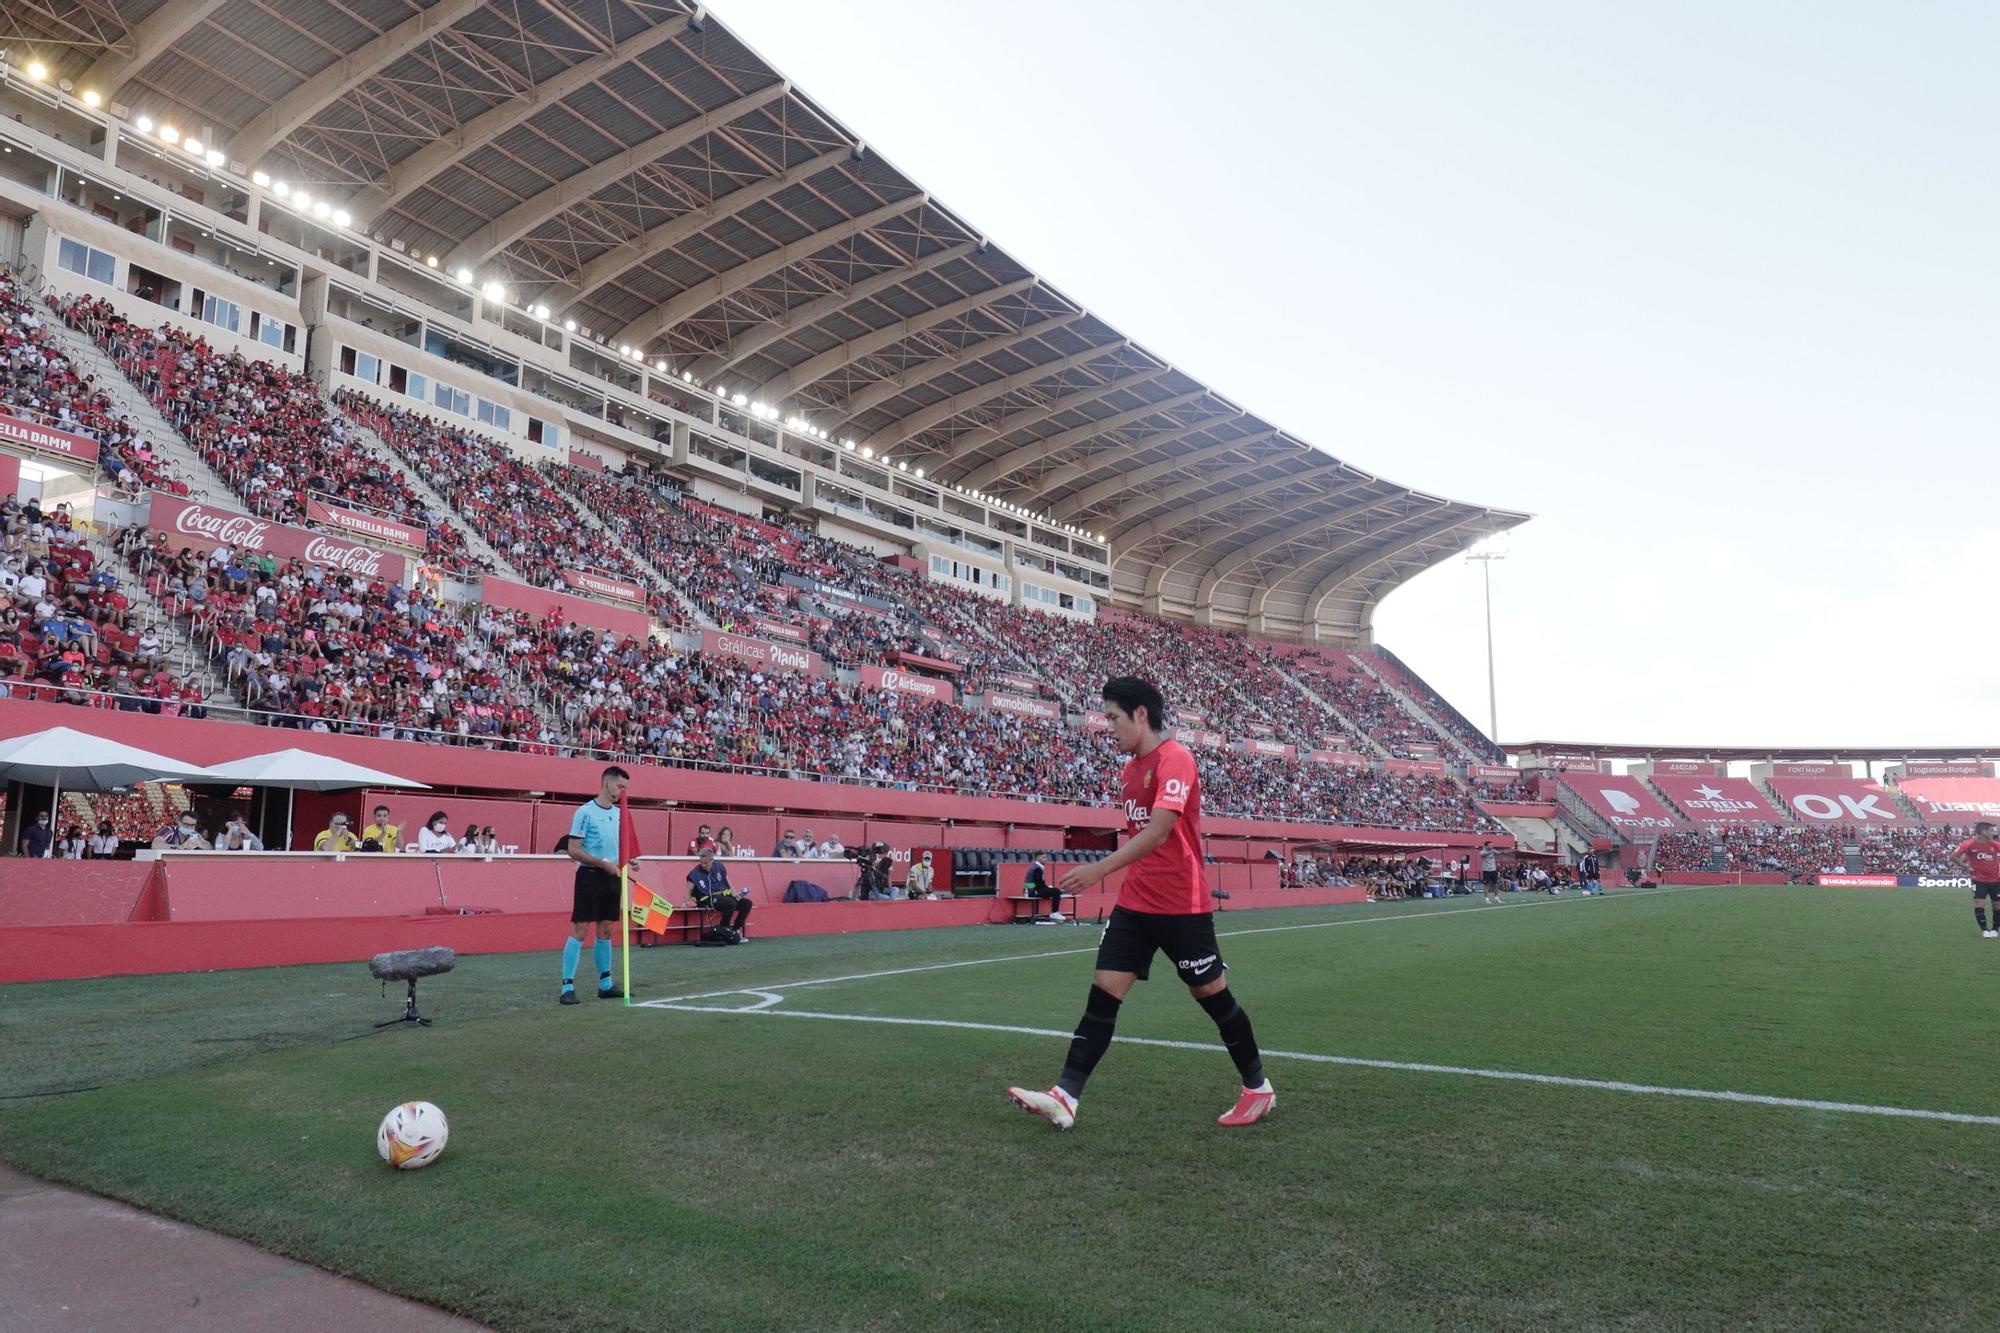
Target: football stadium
586, 668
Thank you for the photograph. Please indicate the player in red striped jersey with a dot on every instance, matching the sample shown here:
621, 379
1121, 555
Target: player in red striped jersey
1164, 905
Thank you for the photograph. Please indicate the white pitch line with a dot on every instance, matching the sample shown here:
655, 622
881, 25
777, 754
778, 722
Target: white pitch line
1406, 1066
762, 987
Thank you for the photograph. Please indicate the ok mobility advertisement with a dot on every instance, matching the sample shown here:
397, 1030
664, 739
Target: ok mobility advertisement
1895, 881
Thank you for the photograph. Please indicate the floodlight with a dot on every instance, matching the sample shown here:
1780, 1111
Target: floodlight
261, 179
37, 70
169, 134
92, 98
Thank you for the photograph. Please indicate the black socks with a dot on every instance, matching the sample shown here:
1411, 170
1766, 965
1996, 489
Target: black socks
1093, 1038
1234, 1025
1979, 915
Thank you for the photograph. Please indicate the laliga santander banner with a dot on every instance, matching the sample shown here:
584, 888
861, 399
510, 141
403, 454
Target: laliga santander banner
365, 525
892, 681
204, 526
47, 440
1038, 709
602, 585
778, 656
1338, 758
1258, 745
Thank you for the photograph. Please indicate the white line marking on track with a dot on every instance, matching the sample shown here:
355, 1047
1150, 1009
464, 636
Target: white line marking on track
766, 987
1407, 1066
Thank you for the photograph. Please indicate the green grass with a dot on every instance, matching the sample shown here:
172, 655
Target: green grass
635, 1169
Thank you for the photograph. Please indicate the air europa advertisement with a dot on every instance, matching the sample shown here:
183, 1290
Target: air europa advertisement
908, 682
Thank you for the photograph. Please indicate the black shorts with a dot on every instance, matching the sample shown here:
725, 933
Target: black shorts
596, 895
1984, 890
1188, 941
1489, 877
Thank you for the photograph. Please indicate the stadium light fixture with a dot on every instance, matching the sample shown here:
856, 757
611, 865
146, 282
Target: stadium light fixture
145, 124
216, 157
464, 275
280, 188
341, 217
920, 474
194, 146
430, 261
660, 366
260, 179
38, 71
902, 465
495, 291
302, 201
867, 452
540, 312
741, 400
847, 445
322, 209
168, 134
569, 326
687, 377
92, 98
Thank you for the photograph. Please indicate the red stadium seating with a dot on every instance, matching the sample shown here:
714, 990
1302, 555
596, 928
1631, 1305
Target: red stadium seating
1838, 800
1623, 803
1718, 800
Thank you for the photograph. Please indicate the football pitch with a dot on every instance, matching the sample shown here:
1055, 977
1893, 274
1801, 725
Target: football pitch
810, 1133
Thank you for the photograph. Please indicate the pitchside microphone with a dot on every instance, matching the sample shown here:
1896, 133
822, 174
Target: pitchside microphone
408, 965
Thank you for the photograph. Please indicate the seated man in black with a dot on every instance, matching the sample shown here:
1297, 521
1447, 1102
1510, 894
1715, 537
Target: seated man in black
709, 880
1038, 886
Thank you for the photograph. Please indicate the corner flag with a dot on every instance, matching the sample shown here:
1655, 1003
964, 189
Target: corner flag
628, 852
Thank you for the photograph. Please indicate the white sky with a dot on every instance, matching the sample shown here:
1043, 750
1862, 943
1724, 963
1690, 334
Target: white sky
1712, 289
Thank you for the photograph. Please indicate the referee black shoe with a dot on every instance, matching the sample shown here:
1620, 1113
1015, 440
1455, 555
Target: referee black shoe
612, 994
568, 997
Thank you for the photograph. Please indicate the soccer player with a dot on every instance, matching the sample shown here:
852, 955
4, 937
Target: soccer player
593, 845
1489, 872
1980, 855
1164, 904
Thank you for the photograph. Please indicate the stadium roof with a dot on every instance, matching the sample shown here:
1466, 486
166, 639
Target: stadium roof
639, 167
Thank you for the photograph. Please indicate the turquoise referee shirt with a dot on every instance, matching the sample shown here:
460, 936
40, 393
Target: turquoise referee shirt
596, 827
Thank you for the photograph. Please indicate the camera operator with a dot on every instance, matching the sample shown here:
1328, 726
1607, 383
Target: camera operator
873, 882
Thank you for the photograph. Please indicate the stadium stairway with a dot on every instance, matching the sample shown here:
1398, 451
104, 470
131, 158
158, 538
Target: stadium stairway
204, 482
1408, 703
1346, 723
557, 474
179, 651
481, 549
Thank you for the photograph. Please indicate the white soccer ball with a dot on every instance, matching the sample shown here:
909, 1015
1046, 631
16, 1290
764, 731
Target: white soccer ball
412, 1135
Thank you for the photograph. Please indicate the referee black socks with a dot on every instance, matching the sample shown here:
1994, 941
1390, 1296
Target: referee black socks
1092, 1039
1234, 1024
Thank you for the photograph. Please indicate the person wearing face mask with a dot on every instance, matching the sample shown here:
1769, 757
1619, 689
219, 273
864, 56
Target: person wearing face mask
239, 838
37, 838
435, 835
182, 835
103, 843
72, 845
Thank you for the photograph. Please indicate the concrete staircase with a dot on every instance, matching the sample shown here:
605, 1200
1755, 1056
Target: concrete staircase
437, 504
1347, 724
183, 656
666, 585
1459, 749
204, 482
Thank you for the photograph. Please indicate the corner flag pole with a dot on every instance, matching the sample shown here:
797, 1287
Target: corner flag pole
625, 929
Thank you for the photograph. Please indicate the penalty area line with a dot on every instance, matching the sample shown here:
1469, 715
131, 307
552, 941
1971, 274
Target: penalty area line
1385, 920
1401, 1066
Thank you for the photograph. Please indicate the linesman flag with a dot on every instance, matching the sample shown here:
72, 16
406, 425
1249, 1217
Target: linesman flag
650, 911
628, 836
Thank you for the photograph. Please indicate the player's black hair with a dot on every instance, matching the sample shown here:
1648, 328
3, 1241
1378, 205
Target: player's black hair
1986, 824
1132, 694
614, 772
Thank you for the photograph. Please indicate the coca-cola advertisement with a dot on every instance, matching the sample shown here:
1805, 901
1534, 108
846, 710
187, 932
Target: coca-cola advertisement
1095, 721
760, 652
894, 681
47, 439
372, 526
1338, 758
603, 585
1038, 709
204, 527
1270, 748
777, 629
1207, 740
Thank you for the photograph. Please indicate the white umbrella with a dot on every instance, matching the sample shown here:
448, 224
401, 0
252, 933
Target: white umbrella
64, 757
304, 770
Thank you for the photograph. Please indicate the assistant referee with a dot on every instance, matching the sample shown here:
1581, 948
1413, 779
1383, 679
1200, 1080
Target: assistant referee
593, 845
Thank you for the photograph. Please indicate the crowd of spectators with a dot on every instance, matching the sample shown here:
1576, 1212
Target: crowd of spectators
40, 384
1802, 851
67, 630
263, 429
502, 498
1462, 730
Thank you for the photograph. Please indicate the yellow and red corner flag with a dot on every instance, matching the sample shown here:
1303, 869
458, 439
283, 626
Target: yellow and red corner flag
628, 852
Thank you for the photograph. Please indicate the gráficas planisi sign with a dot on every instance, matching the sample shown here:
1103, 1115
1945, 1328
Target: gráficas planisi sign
759, 652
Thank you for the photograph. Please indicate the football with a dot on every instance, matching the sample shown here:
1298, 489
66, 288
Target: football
412, 1135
